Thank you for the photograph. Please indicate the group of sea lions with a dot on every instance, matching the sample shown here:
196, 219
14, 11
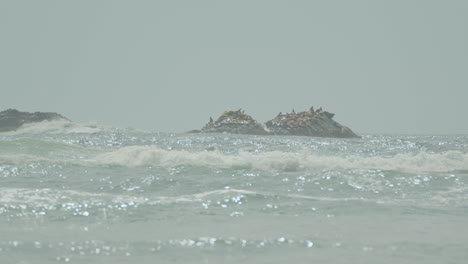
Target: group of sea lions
307, 123
316, 123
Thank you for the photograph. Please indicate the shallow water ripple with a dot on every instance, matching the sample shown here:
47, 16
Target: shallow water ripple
91, 194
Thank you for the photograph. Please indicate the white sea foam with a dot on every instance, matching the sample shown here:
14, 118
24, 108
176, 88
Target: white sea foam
56, 127
205, 195
134, 156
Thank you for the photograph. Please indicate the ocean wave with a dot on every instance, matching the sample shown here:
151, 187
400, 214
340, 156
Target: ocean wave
25, 150
56, 127
50, 198
47, 197
134, 156
82, 201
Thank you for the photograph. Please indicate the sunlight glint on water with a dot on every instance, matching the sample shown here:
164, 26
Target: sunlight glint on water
87, 194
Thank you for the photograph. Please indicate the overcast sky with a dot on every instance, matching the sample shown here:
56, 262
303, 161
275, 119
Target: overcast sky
380, 66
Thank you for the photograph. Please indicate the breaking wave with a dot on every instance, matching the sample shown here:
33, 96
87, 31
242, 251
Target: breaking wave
56, 127
134, 156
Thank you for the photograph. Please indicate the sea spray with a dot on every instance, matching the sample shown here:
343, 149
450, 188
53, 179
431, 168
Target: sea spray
281, 160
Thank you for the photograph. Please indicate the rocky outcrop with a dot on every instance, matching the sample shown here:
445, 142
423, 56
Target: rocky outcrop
12, 119
235, 122
308, 123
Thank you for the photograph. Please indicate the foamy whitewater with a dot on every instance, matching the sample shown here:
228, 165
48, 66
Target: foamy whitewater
74, 193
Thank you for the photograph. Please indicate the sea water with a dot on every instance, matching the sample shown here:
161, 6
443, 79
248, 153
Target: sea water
89, 194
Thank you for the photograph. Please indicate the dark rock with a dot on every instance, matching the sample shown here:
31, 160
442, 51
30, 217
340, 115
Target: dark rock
194, 131
315, 124
12, 119
312, 123
235, 122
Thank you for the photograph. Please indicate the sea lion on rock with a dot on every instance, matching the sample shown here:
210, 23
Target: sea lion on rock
328, 114
306, 123
318, 124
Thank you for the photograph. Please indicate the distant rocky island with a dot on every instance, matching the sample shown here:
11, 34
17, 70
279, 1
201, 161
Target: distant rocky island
313, 123
12, 119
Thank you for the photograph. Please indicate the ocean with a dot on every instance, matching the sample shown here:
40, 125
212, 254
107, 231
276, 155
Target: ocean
80, 193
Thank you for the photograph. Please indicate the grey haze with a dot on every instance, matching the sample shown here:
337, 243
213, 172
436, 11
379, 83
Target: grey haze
381, 66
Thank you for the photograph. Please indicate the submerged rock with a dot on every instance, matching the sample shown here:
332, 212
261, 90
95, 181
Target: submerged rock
12, 119
308, 123
235, 122
312, 123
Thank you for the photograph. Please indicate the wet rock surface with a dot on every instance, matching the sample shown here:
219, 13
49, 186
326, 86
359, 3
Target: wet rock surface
13, 119
235, 122
313, 123
308, 123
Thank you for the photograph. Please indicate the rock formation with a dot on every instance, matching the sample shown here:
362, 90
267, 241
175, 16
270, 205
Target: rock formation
312, 123
235, 122
12, 119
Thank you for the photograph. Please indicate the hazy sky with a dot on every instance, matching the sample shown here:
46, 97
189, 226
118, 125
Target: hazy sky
381, 66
